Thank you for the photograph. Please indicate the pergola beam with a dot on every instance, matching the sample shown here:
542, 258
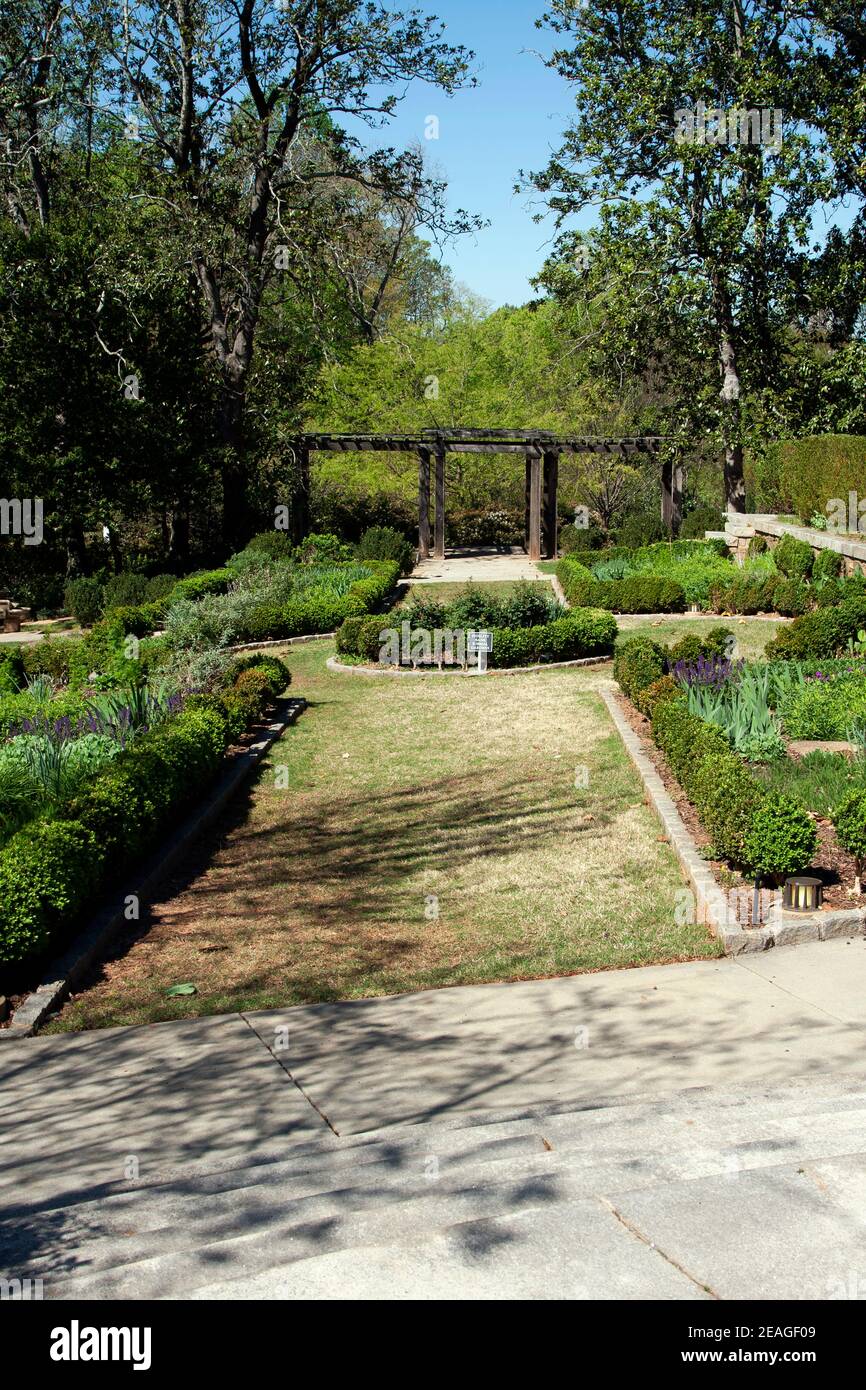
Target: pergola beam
486, 442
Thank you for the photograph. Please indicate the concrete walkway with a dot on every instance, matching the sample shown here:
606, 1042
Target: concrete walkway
588, 1129
479, 566
74, 1104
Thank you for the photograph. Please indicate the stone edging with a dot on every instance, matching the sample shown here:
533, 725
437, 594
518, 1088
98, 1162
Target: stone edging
782, 929
63, 973
743, 525
334, 665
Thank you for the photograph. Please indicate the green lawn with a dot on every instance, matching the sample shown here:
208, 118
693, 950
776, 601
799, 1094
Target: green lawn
752, 634
409, 834
445, 592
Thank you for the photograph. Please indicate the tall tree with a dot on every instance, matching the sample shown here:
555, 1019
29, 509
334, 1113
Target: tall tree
703, 210
239, 101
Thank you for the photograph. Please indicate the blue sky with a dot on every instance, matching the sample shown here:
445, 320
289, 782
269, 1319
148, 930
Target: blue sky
512, 120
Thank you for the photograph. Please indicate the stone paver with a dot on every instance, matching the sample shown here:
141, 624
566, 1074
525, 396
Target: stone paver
478, 566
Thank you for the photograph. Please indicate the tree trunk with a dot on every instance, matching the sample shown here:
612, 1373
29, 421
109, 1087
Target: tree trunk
236, 526
735, 486
672, 495
178, 540
76, 553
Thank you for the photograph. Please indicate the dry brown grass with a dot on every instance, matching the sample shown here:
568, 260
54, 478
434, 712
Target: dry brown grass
401, 791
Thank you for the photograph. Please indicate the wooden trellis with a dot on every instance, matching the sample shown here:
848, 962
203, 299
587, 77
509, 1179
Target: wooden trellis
541, 451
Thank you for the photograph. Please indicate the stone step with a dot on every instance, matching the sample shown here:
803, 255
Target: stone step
143, 1242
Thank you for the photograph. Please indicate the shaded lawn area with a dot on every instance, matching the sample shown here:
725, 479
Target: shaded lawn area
404, 795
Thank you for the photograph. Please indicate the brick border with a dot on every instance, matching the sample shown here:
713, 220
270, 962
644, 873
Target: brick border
62, 974
783, 928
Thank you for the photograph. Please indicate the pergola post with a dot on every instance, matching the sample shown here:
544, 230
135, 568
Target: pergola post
549, 536
424, 503
533, 506
673, 480
439, 531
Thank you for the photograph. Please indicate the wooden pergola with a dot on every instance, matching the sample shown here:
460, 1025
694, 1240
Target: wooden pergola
541, 451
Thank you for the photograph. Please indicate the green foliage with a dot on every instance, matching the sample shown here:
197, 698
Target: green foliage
757, 546
701, 519
640, 528
657, 694
48, 871
583, 632
727, 796
637, 663
781, 838
827, 565
793, 557
643, 593
528, 605
384, 543
718, 641
83, 599
849, 821
818, 782
825, 706
822, 633
816, 470
277, 672
322, 549
196, 586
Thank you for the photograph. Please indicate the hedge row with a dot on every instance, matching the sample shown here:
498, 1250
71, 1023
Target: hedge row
823, 633
803, 475
51, 869
582, 632
760, 831
642, 593
306, 615
636, 554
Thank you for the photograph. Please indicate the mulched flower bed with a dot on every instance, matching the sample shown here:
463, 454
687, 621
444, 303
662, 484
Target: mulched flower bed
832, 864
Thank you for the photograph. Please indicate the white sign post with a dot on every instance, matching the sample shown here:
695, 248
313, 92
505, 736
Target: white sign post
482, 643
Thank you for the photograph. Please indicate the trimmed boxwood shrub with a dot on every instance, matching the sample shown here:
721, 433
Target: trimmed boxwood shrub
781, 837
583, 632
793, 557
83, 599
637, 662
692, 647
657, 694
822, 633
826, 565
278, 674
51, 868
745, 593
726, 795
204, 582
47, 871
701, 518
791, 597
641, 593
849, 821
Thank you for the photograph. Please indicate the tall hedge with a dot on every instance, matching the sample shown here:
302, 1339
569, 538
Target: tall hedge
803, 475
